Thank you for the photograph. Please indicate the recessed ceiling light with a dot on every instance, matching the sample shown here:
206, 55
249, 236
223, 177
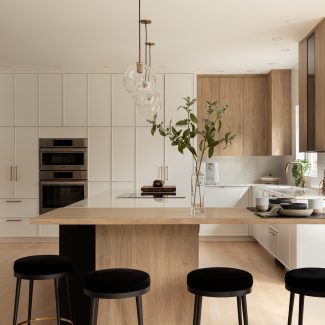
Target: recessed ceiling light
277, 38
285, 50
220, 71
107, 67
272, 63
250, 71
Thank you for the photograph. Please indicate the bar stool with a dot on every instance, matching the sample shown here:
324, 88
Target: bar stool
305, 282
220, 282
116, 284
42, 267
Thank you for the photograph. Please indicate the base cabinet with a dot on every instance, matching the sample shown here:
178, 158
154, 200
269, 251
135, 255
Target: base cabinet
225, 197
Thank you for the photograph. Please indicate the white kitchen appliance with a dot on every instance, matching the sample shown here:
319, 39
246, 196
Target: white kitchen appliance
212, 173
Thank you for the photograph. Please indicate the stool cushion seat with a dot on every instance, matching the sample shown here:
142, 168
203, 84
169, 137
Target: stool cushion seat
38, 265
219, 279
117, 281
306, 279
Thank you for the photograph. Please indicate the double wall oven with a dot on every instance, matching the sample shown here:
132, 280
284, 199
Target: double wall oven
63, 172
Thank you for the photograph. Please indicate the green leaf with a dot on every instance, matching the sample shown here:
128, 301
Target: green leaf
153, 129
192, 150
210, 152
186, 133
193, 118
162, 132
182, 122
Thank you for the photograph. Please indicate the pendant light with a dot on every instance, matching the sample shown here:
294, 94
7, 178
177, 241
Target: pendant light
140, 80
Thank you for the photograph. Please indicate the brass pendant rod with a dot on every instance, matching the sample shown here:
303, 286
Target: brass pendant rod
146, 45
139, 60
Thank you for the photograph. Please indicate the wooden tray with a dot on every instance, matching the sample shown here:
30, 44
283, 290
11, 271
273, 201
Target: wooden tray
152, 189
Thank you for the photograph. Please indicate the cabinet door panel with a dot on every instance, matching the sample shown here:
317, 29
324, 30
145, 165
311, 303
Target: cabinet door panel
26, 100
123, 154
149, 157
99, 153
6, 100
50, 99
99, 99
255, 116
74, 100
231, 94
123, 110
6, 162
27, 166
177, 86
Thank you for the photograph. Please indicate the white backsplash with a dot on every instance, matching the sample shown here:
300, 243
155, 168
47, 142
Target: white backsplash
247, 170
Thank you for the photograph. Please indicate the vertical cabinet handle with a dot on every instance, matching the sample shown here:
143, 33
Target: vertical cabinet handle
11, 177
166, 173
16, 173
160, 169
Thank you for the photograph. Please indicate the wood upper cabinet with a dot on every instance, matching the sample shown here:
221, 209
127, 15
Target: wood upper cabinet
231, 94
255, 116
279, 116
319, 87
303, 96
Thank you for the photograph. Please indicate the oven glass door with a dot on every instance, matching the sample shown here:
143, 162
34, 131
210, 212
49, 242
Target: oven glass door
60, 194
63, 159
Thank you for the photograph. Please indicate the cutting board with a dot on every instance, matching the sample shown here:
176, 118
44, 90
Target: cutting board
163, 189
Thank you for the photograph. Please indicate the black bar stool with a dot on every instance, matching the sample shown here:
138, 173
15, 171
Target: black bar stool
305, 282
42, 267
116, 284
220, 282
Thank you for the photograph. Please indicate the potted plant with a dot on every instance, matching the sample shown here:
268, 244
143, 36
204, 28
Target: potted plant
208, 135
299, 169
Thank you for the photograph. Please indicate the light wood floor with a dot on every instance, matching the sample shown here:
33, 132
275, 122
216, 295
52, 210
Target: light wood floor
267, 304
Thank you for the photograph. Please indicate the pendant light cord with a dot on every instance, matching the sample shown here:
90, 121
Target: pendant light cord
139, 31
146, 45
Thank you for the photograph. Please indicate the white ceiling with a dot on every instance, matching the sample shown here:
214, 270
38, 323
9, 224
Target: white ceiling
203, 36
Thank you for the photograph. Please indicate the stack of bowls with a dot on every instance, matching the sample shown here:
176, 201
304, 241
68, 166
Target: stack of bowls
295, 210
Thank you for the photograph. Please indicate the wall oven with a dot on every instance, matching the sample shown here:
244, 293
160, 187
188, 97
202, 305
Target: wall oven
63, 172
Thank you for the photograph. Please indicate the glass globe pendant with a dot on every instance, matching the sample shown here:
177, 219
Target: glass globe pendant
146, 101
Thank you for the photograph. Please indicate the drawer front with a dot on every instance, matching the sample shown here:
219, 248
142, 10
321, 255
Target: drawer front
19, 208
17, 227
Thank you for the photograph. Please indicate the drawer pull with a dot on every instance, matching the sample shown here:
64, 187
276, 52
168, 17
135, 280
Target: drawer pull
13, 201
14, 220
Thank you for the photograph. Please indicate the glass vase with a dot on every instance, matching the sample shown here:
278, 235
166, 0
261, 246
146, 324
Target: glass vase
197, 194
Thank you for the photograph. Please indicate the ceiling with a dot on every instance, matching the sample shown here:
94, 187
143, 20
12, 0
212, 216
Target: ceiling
202, 36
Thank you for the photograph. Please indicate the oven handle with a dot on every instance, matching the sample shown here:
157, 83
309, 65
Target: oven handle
56, 183
58, 150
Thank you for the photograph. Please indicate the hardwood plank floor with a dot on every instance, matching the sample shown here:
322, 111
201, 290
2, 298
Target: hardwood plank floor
267, 304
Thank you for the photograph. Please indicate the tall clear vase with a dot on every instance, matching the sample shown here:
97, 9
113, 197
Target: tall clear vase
197, 194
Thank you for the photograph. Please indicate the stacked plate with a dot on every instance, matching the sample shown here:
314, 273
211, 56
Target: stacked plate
289, 209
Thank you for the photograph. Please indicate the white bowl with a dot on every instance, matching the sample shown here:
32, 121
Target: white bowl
296, 213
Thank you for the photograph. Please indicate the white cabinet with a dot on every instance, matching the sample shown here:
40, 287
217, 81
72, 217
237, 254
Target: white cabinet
123, 109
26, 100
19, 163
95, 188
99, 154
6, 100
50, 99
149, 157
177, 86
123, 154
74, 100
225, 197
99, 99
6, 162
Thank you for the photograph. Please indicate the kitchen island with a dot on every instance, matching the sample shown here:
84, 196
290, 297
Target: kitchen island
159, 236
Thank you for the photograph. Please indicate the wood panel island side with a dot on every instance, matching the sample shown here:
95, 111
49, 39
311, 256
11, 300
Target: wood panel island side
148, 234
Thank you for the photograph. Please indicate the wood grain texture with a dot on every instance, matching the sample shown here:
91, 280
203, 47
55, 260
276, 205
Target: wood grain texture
231, 94
320, 86
255, 116
167, 253
280, 112
303, 96
159, 216
208, 88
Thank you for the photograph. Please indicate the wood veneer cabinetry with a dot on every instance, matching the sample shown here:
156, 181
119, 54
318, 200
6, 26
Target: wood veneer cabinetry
279, 112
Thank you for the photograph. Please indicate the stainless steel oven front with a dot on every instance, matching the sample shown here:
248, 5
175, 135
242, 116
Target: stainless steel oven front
61, 188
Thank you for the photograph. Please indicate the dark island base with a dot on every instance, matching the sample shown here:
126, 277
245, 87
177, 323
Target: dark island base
78, 242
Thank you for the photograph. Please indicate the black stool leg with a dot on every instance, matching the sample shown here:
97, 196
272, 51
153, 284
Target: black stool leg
292, 300
18, 284
197, 310
244, 303
139, 309
30, 300
240, 318
93, 311
67, 282
57, 300
301, 309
